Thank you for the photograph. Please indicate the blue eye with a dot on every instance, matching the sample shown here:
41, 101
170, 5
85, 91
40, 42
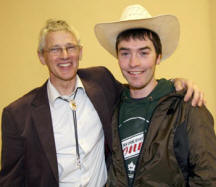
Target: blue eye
144, 53
55, 50
124, 53
70, 48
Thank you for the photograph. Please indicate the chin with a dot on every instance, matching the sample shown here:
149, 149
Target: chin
137, 86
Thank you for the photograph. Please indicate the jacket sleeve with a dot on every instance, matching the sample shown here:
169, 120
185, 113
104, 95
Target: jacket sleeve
12, 166
202, 146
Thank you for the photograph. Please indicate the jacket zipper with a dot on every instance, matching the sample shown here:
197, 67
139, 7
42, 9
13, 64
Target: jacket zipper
138, 160
125, 168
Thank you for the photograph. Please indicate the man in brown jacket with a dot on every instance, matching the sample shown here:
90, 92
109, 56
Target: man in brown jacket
158, 139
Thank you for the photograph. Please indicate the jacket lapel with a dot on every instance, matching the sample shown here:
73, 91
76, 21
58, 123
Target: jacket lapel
118, 157
43, 123
99, 100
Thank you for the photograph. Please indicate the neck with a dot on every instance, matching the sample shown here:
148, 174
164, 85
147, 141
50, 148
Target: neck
144, 91
64, 87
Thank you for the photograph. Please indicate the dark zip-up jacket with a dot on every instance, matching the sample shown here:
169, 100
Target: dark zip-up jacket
179, 149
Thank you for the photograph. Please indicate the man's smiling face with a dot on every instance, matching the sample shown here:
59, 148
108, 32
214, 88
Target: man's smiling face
137, 60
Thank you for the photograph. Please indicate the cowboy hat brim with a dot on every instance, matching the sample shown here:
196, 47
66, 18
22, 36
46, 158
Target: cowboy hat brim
166, 26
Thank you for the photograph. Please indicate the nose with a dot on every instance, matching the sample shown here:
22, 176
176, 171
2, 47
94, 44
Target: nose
64, 53
134, 61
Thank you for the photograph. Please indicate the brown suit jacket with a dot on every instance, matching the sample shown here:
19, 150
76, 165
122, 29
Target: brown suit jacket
28, 147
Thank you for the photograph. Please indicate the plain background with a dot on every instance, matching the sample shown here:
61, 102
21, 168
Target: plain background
21, 71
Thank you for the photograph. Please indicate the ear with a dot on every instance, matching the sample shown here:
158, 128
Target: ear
41, 57
158, 59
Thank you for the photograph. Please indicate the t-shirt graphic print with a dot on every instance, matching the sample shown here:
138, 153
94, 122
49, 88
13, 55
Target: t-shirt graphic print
133, 131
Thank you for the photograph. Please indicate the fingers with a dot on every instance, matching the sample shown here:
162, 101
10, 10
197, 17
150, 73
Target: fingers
189, 94
196, 93
179, 83
192, 91
178, 86
198, 99
198, 96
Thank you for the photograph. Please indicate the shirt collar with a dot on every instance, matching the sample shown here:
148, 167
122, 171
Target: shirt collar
53, 93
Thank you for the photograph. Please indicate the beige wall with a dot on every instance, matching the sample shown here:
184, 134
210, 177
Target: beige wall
21, 20
212, 13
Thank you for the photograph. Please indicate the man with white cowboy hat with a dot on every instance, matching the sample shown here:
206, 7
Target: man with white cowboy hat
157, 138
56, 135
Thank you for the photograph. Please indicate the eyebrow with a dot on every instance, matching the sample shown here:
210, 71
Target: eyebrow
145, 48
67, 44
123, 49
142, 48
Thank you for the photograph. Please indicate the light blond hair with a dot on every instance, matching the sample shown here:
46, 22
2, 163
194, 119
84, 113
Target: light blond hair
53, 25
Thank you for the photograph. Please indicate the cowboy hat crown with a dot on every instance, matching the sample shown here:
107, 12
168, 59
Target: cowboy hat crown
136, 16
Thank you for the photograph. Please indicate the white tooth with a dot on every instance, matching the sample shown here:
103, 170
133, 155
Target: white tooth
64, 65
135, 73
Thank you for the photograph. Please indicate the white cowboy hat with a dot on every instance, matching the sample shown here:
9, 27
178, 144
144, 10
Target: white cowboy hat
135, 16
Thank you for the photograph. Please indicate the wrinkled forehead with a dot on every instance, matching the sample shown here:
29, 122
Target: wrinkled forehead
60, 38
